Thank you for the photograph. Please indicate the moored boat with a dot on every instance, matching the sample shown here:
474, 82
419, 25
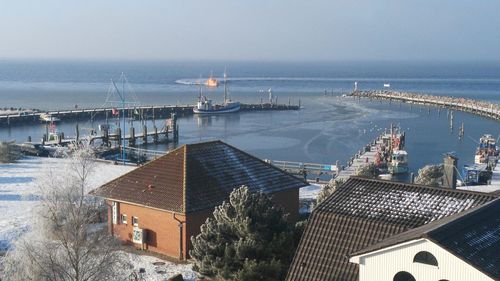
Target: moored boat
487, 151
206, 106
399, 162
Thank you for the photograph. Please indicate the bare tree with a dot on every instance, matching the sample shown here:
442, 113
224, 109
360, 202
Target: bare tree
65, 243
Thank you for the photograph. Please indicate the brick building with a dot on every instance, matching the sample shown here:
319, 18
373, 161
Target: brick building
160, 205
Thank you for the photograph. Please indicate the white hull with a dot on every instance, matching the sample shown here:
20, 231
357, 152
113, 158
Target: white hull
217, 111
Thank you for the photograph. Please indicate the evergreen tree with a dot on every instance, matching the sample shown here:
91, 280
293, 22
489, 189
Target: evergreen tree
431, 175
248, 238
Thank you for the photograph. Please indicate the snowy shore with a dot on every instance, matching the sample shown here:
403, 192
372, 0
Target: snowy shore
19, 196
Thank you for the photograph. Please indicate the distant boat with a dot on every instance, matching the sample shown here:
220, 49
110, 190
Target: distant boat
211, 81
205, 106
387, 85
399, 162
49, 118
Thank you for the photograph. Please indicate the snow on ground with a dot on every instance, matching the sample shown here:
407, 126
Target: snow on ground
159, 270
310, 192
19, 193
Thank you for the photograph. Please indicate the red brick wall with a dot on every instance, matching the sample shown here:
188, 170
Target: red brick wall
162, 229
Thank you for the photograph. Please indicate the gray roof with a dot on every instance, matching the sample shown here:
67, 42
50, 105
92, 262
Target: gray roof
363, 212
473, 236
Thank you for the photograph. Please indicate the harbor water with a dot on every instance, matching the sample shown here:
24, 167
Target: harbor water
328, 128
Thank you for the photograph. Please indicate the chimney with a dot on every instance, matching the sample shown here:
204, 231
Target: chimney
450, 171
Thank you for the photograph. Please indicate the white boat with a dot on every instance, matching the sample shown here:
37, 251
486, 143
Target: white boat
206, 106
387, 85
49, 118
399, 162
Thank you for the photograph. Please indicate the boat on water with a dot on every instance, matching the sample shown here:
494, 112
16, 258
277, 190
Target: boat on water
206, 106
387, 85
399, 162
46, 117
487, 151
211, 81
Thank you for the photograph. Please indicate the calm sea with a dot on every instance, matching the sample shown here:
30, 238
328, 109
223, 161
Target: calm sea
327, 129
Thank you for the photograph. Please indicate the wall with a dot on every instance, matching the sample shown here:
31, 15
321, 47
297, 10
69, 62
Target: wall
162, 229
385, 264
289, 200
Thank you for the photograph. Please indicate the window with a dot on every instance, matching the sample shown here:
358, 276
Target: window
135, 221
425, 258
124, 219
114, 210
403, 276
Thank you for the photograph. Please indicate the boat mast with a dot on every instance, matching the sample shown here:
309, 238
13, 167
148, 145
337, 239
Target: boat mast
225, 86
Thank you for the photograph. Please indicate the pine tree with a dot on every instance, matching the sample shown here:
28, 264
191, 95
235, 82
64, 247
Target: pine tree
431, 175
248, 238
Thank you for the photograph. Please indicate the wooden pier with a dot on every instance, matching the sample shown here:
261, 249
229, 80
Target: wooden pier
146, 112
478, 107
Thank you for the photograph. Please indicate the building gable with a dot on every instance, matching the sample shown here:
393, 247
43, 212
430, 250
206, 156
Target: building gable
363, 212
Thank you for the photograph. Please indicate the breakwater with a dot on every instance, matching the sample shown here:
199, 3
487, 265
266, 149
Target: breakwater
478, 107
150, 112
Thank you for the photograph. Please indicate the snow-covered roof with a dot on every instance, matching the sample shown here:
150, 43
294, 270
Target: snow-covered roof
363, 212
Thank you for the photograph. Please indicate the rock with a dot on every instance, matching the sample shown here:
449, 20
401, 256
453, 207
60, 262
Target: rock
177, 277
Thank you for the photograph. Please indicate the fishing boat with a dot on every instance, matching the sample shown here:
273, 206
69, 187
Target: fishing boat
399, 162
206, 106
487, 151
387, 85
46, 117
211, 81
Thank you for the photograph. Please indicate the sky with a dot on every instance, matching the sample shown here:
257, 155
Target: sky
261, 30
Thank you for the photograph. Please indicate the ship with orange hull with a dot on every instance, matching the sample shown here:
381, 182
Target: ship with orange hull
211, 81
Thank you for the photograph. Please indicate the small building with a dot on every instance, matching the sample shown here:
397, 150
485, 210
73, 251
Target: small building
160, 205
464, 246
363, 212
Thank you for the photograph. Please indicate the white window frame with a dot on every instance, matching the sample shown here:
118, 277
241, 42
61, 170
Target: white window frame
135, 221
124, 216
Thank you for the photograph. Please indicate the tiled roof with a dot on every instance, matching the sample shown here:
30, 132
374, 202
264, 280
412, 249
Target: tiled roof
473, 236
363, 212
196, 177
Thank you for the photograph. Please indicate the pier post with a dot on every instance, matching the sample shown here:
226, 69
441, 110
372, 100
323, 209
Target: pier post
105, 136
145, 134
132, 137
155, 135
77, 132
175, 128
118, 133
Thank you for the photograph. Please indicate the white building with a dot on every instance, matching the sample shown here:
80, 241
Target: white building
460, 247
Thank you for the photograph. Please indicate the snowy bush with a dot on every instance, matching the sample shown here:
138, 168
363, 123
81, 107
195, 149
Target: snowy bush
248, 238
64, 243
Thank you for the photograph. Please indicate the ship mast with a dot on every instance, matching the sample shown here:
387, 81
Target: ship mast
225, 86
